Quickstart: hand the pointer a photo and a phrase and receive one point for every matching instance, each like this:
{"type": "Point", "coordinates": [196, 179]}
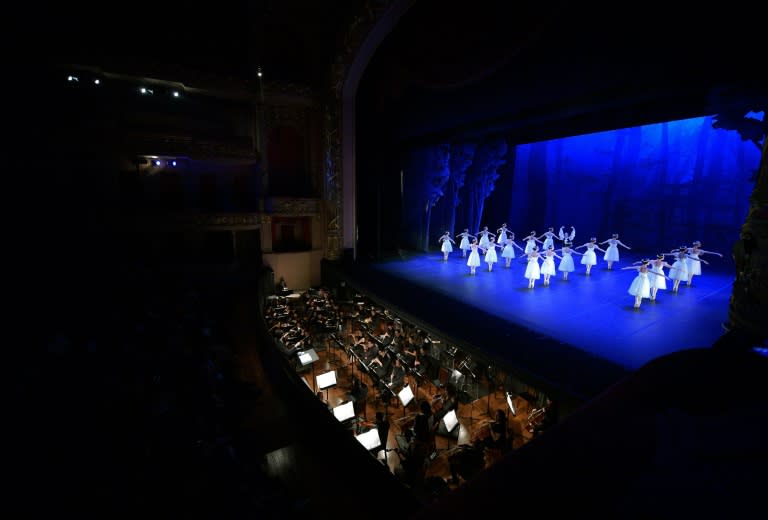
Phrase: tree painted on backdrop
{"type": "Point", "coordinates": [462, 156]}
{"type": "Point", "coordinates": [481, 178]}
{"type": "Point", "coordinates": [427, 173]}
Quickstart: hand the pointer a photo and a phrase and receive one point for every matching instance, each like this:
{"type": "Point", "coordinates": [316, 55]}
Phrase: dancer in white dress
{"type": "Point", "coordinates": [566, 263]}
{"type": "Point", "coordinates": [532, 272]}
{"type": "Point", "coordinates": [445, 244]}
{"type": "Point", "coordinates": [474, 257]}
{"type": "Point", "coordinates": [501, 234]}
{"type": "Point", "coordinates": [464, 244]}
{"type": "Point", "coordinates": [612, 252]}
{"type": "Point", "coordinates": [695, 253]}
{"type": "Point", "coordinates": [509, 249]}
{"type": "Point", "coordinates": [641, 285]}
{"type": "Point", "coordinates": [548, 265]}
{"type": "Point", "coordinates": [490, 253]}
{"type": "Point", "coordinates": [658, 282]}
{"type": "Point", "coordinates": [530, 243]}
{"type": "Point", "coordinates": [679, 270]}
{"type": "Point", "coordinates": [589, 258]}
{"type": "Point", "coordinates": [549, 241]}
{"type": "Point", "coordinates": [484, 234]}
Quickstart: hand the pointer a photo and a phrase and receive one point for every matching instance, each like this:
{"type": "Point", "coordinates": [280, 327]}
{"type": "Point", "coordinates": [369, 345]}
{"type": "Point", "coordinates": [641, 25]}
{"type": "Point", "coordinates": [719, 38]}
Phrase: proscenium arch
{"type": "Point", "coordinates": [380, 30]}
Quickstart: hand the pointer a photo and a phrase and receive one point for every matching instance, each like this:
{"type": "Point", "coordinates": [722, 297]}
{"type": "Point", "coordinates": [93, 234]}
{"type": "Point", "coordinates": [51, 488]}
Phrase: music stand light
{"type": "Point", "coordinates": [450, 420]}
{"type": "Point", "coordinates": [511, 404]}
{"type": "Point", "coordinates": [344, 411]}
{"type": "Point", "coordinates": [370, 439]}
{"type": "Point", "coordinates": [406, 396]}
{"type": "Point", "coordinates": [307, 357]}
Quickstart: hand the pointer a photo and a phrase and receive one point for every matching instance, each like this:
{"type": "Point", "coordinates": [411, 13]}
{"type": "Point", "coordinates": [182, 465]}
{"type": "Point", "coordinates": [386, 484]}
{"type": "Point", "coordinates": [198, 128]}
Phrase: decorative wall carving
{"type": "Point", "coordinates": [358, 29]}
{"type": "Point", "coordinates": [283, 206]}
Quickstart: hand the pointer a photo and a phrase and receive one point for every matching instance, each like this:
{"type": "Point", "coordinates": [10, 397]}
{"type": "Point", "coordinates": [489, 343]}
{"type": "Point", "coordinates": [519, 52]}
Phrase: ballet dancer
{"type": "Point", "coordinates": [589, 258]}
{"type": "Point", "coordinates": [501, 233]}
{"type": "Point", "coordinates": [530, 242]}
{"type": "Point", "coordinates": [446, 246]}
{"type": "Point", "coordinates": [679, 270]}
{"type": "Point", "coordinates": [474, 257]}
{"type": "Point", "coordinates": [509, 249]}
{"type": "Point", "coordinates": [490, 253]}
{"type": "Point", "coordinates": [549, 241]}
{"type": "Point", "coordinates": [532, 272]}
{"type": "Point", "coordinates": [484, 234]}
{"type": "Point", "coordinates": [548, 265]}
{"type": "Point", "coordinates": [464, 245]}
{"type": "Point", "coordinates": [612, 252]}
{"type": "Point", "coordinates": [659, 282]}
{"type": "Point", "coordinates": [566, 262]}
{"type": "Point", "coordinates": [695, 253]}
{"type": "Point", "coordinates": [566, 237]}
{"type": "Point", "coordinates": [641, 285]}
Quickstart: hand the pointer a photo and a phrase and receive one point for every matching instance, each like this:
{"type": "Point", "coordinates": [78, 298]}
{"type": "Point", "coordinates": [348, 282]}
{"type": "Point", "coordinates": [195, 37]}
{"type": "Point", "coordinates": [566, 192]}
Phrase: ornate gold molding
{"type": "Point", "coordinates": [293, 207]}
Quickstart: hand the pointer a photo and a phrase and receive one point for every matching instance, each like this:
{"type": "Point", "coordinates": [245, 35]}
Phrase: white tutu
{"type": "Point", "coordinates": [502, 238]}
{"type": "Point", "coordinates": [490, 256]}
{"type": "Point", "coordinates": [548, 265]}
{"type": "Point", "coordinates": [474, 259]}
{"type": "Point", "coordinates": [509, 251]}
{"type": "Point", "coordinates": [589, 257]}
{"type": "Point", "coordinates": [529, 245]}
{"type": "Point", "coordinates": [640, 286]}
{"type": "Point", "coordinates": [447, 247]}
{"type": "Point", "coordinates": [659, 282]}
{"type": "Point", "coordinates": [464, 243]}
{"type": "Point", "coordinates": [484, 243]}
{"type": "Point", "coordinates": [566, 264]}
{"type": "Point", "coordinates": [612, 253]}
{"type": "Point", "coordinates": [532, 271]}
{"type": "Point", "coordinates": [547, 242]}
{"type": "Point", "coordinates": [694, 267]}
{"type": "Point", "coordinates": [679, 270]}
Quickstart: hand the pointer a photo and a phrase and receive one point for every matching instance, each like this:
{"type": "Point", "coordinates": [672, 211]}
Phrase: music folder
{"type": "Point", "coordinates": [344, 411]}
{"type": "Point", "coordinates": [370, 439]}
{"type": "Point", "coordinates": [326, 380]}
{"type": "Point", "coordinates": [511, 405]}
{"type": "Point", "coordinates": [405, 395]}
{"type": "Point", "coordinates": [450, 420]}
{"type": "Point", "coordinates": [308, 356]}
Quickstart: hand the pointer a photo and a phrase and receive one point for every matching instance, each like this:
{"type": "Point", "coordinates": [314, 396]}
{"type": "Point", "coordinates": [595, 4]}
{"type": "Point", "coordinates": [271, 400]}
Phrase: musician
{"type": "Point", "coordinates": [424, 363]}
{"type": "Point", "coordinates": [450, 401]}
{"type": "Point", "coordinates": [396, 376]}
{"type": "Point", "coordinates": [548, 419]}
{"type": "Point", "coordinates": [382, 425]}
{"type": "Point", "coordinates": [358, 395]}
{"type": "Point", "coordinates": [498, 439]}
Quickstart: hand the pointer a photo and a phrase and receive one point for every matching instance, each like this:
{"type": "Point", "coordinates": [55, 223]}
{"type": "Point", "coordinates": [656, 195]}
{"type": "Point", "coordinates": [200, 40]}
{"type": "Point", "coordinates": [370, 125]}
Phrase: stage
{"type": "Point", "coordinates": [577, 336]}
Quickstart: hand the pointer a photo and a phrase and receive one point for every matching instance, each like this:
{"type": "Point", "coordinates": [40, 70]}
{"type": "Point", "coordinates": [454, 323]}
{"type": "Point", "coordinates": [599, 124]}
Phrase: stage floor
{"type": "Point", "coordinates": [583, 334]}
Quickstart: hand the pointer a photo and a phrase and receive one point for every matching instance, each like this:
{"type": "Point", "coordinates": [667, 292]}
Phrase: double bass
{"type": "Point", "coordinates": [535, 417]}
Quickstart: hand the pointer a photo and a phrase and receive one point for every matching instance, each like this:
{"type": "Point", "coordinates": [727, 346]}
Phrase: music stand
{"type": "Point", "coordinates": [325, 381]}
{"type": "Point", "coordinates": [406, 396]}
{"type": "Point", "coordinates": [344, 411]}
{"type": "Point", "coordinates": [450, 420]}
{"type": "Point", "coordinates": [370, 439]}
{"type": "Point", "coordinates": [308, 357]}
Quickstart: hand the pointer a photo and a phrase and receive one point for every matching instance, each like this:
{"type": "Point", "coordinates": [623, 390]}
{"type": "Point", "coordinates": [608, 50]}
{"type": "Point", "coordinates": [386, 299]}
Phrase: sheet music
{"type": "Point", "coordinates": [370, 439]}
{"type": "Point", "coordinates": [326, 380]}
{"type": "Point", "coordinates": [344, 411]}
{"type": "Point", "coordinates": [450, 420]}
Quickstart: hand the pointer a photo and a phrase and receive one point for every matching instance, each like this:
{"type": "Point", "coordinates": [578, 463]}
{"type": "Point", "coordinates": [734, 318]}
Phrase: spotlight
{"type": "Point", "coordinates": [258, 72]}
{"type": "Point", "coordinates": [146, 91]}
{"type": "Point", "coordinates": [156, 162]}
{"type": "Point", "coordinates": [175, 93]}
{"type": "Point", "coordinates": [97, 81]}
{"type": "Point", "coordinates": [172, 163]}
{"type": "Point", "coordinates": [72, 78]}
